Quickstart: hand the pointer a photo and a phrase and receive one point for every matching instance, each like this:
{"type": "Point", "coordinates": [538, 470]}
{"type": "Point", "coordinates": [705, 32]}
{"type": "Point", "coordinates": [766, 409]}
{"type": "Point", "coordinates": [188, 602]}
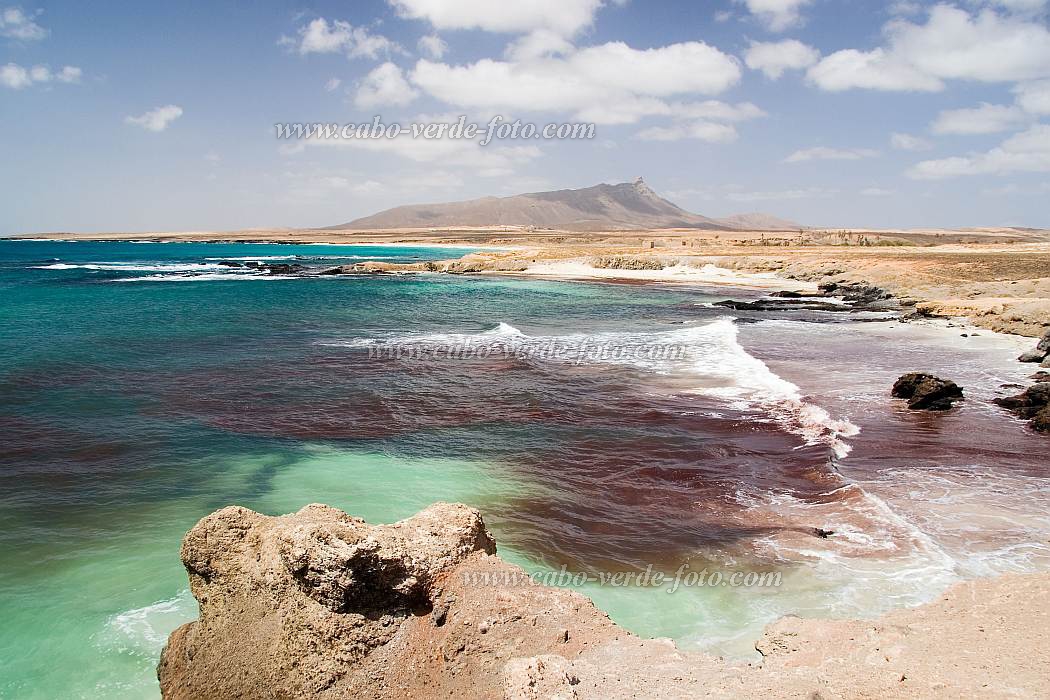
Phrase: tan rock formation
{"type": "Point", "coordinates": [321, 605]}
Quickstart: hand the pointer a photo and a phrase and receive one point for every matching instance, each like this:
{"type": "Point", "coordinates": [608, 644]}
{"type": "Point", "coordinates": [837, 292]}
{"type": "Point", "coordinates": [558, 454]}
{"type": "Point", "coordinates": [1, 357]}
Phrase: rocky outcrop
{"type": "Point", "coordinates": [321, 605]}
{"type": "Point", "coordinates": [1032, 404]}
{"type": "Point", "coordinates": [1041, 351]}
{"type": "Point", "coordinates": [925, 392]}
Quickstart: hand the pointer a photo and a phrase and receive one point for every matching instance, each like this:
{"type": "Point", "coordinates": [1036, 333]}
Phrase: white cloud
{"type": "Point", "coordinates": [907, 142]}
{"type": "Point", "coordinates": [985, 119]}
{"type": "Point", "coordinates": [156, 119]}
{"type": "Point", "coordinates": [564, 17]}
{"type": "Point", "coordinates": [432, 46]}
{"type": "Point", "coordinates": [873, 70]}
{"type": "Point", "coordinates": [877, 192]}
{"type": "Point", "coordinates": [1034, 98]}
{"type": "Point", "coordinates": [777, 15]}
{"type": "Point", "coordinates": [16, 24]}
{"type": "Point", "coordinates": [16, 77]}
{"type": "Point", "coordinates": [773, 58]}
{"type": "Point", "coordinates": [385, 85]}
{"type": "Point", "coordinates": [824, 153]}
{"type": "Point", "coordinates": [700, 129]}
{"type": "Point", "coordinates": [333, 84]}
{"type": "Point", "coordinates": [609, 83]}
{"type": "Point", "coordinates": [320, 36]}
{"type": "Point", "coordinates": [1028, 151]}
{"type": "Point", "coordinates": [953, 44]}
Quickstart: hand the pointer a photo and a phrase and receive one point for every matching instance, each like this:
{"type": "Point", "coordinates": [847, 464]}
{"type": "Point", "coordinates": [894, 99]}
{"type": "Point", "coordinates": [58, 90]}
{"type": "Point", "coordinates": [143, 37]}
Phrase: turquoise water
{"type": "Point", "coordinates": [144, 385]}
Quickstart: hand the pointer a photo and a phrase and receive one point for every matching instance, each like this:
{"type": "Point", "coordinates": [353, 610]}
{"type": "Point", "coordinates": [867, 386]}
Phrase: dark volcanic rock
{"type": "Point", "coordinates": [858, 293]}
{"type": "Point", "coordinates": [926, 392]}
{"type": "Point", "coordinates": [230, 263]}
{"type": "Point", "coordinates": [781, 305]}
{"type": "Point", "coordinates": [1033, 403]}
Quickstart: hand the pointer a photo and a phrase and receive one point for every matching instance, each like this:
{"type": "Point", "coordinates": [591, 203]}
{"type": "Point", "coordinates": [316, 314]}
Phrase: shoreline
{"type": "Point", "coordinates": [991, 276]}
{"type": "Point", "coordinates": [439, 615]}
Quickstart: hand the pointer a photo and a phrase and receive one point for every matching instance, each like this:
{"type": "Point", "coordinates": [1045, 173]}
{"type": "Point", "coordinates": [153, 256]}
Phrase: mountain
{"type": "Point", "coordinates": [626, 206]}
{"type": "Point", "coordinates": [757, 221]}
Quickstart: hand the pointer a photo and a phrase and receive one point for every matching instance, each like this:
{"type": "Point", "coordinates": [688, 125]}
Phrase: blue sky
{"type": "Point", "coordinates": [137, 116]}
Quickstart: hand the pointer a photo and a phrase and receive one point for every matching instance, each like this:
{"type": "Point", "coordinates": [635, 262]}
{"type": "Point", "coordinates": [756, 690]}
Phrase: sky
{"type": "Point", "coordinates": [135, 116]}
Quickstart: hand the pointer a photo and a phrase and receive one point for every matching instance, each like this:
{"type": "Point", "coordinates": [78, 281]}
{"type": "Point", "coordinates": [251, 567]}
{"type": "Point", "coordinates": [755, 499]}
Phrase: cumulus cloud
{"type": "Point", "coordinates": [824, 153]}
{"type": "Point", "coordinates": [984, 119]}
{"type": "Point", "coordinates": [1034, 97]}
{"type": "Point", "coordinates": [16, 24]}
{"type": "Point", "coordinates": [16, 77]}
{"type": "Point", "coordinates": [611, 83]}
{"type": "Point", "coordinates": [953, 44]}
{"type": "Point", "coordinates": [432, 46]}
{"type": "Point", "coordinates": [563, 17]}
{"type": "Point", "coordinates": [777, 15]}
{"type": "Point", "coordinates": [156, 119]}
{"type": "Point", "coordinates": [385, 85]}
{"type": "Point", "coordinates": [773, 58]}
{"type": "Point", "coordinates": [1028, 151]}
{"type": "Point", "coordinates": [322, 36]}
{"type": "Point", "coordinates": [907, 142]}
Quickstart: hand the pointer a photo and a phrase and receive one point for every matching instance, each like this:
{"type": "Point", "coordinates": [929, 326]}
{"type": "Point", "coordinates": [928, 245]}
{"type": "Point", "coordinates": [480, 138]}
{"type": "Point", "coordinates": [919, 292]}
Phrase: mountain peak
{"type": "Point", "coordinates": [624, 206]}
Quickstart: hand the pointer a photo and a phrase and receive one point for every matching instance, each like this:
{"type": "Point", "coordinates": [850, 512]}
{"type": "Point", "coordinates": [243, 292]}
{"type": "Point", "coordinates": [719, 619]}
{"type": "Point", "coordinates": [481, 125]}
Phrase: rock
{"type": "Point", "coordinates": [319, 604]}
{"type": "Point", "coordinates": [229, 263]}
{"type": "Point", "coordinates": [1033, 404]}
{"type": "Point", "coordinates": [1031, 356]}
{"type": "Point", "coordinates": [1041, 352]}
{"type": "Point", "coordinates": [782, 305]}
{"type": "Point", "coordinates": [1041, 376]}
{"type": "Point", "coordinates": [1041, 421]}
{"type": "Point", "coordinates": [1044, 343]}
{"type": "Point", "coordinates": [926, 392]}
{"type": "Point", "coordinates": [856, 292]}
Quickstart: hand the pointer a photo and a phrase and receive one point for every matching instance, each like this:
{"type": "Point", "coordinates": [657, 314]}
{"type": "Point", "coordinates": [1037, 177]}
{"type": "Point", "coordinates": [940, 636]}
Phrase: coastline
{"type": "Point", "coordinates": [426, 608]}
{"type": "Point", "coordinates": [998, 278]}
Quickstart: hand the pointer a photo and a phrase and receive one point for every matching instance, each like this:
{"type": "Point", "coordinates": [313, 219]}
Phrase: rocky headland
{"type": "Point", "coordinates": [319, 604]}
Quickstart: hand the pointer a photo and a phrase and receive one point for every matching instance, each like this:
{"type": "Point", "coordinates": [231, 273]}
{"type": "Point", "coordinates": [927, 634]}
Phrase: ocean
{"type": "Point", "coordinates": [600, 427]}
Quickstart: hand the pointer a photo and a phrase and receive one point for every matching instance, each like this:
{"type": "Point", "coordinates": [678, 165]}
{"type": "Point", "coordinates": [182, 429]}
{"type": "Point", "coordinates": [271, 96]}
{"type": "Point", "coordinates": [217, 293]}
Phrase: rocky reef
{"type": "Point", "coordinates": [319, 604]}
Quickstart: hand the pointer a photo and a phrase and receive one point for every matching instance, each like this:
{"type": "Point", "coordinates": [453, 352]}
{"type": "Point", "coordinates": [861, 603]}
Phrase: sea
{"type": "Point", "coordinates": [601, 428]}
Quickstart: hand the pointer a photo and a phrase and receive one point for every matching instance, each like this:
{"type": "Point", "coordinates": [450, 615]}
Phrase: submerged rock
{"type": "Point", "coordinates": [784, 304]}
{"type": "Point", "coordinates": [926, 392]}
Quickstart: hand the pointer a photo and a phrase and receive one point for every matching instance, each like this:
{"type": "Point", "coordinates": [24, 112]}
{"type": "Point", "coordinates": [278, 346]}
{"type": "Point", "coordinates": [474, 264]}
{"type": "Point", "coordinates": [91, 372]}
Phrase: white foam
{"type": "Point", "coordinates": [709, 352]}
{"type": "Point", "coordinates": [137, 267]}
{"type": "Point", "coordinates": [143, 631]}
{"type": "Point", "coordinates": [207, 277]}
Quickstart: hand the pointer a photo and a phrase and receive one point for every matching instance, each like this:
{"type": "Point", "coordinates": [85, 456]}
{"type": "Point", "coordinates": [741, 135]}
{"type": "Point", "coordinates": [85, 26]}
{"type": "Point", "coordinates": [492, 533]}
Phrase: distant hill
{"type": "Point", "coordinates": [626, 206]}
{"type": "Point", "coordinates": [757, 221]}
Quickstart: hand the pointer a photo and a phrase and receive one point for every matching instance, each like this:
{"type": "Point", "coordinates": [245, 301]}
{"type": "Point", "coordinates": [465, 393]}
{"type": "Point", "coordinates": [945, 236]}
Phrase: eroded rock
{"type": "Point", "coordinates": [925, 392]}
